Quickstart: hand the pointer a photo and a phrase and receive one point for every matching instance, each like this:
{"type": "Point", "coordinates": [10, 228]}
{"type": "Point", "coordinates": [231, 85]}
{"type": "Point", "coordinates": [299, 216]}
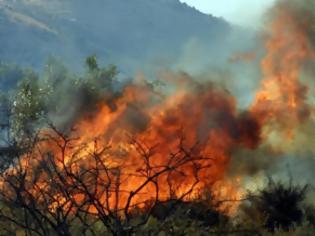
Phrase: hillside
{"type": "Point", "coordinates": [132, 34]}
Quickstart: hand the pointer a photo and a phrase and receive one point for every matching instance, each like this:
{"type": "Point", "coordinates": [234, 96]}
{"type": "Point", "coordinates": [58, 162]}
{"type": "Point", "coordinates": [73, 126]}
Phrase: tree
{"type": "Point", "coordinates": [91, 63]}
{"type": "Point", "coordinates": [37, 98]}
{"type": "Point", "coordinates": [54, 190]}
{"type": "Point", "coordinates": [99, 80]}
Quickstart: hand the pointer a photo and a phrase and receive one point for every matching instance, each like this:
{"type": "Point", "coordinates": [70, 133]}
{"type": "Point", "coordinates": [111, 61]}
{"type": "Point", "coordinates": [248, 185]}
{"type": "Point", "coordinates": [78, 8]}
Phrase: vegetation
{"type": "Point", "coordinates": [39, 190]}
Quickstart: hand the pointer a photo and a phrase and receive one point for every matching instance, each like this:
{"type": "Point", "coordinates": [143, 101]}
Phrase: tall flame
{"type": "Point", "coordinates": [148, 130]}
{"type": "Point", "coordinates": [282, 98]}
{"type": "Point", "coordinates": [199, 120]}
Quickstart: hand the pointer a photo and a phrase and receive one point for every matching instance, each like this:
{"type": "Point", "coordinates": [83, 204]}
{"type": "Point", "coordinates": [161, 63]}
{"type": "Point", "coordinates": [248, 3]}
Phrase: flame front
{"type": "Point", "coordinates": [133, 143]}
{"type": "Point", "coordinates": [146, 138]}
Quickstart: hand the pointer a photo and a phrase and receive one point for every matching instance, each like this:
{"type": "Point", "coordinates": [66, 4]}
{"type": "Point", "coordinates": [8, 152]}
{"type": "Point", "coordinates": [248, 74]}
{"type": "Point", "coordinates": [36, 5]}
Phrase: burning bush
{"type": "Point", "coordinates": [93, 156]}
{"type": "Point", "coordinates": [146, 149]}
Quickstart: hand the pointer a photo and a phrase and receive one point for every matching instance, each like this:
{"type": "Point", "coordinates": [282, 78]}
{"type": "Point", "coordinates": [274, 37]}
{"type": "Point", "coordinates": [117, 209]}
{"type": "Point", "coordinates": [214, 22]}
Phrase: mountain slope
{"type": "Point", "coordinates": [132, 34]}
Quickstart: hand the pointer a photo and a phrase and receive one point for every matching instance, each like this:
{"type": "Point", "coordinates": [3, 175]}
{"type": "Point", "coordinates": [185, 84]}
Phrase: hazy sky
{"type": "Point", "coordinates": [242, 12]}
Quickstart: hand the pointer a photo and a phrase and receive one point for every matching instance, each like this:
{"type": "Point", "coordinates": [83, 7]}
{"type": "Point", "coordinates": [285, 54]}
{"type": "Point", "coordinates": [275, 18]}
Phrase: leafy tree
{"type": "Point", "coordinates": [38, 97]}
{"type": "Point", "coordinates": [28, 107]}
{"type": "Point", "coordinates": [99, 79]}
{"type": "Point", "coordinates": [97, 85]}
{"type": "Point", "coordinates": [91, 63]}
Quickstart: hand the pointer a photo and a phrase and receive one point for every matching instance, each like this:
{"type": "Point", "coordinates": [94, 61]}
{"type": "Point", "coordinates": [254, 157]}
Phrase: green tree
{"type": "Point", "coordinates": [28, 107]}
{"type": "Point", "coordinates": [91, 63]}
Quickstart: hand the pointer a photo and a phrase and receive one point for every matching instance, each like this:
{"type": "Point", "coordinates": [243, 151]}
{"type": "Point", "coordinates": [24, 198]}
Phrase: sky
{"type": "Point", "coordinates": [248, 13]}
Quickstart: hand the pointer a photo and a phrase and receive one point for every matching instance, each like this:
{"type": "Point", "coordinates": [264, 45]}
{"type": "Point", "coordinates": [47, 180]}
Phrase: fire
{"type": "Point", "coordinates": [175, 141]}
{"type": "Point", "coordinates": [175, 145]}
{"type": "Point", "coordinates": [282, 97]}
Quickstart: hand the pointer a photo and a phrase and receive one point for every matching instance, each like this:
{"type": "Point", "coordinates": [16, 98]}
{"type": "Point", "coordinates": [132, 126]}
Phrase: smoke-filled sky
{"type": "Point", "coordinates": [247, 13]}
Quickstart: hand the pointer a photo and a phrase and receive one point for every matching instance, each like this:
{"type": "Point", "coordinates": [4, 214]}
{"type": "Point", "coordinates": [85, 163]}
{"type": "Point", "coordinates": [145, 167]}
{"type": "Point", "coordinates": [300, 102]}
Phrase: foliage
{"type": "Point", "coordinates": [278, 206]}
{"type": "Point", "coordinates": [98, 81]}
{"type": "Point", "coordinates": [38, 98]}
{"type": "Point", "coordinates": [91, 63]}
{"type": "Point", "coordinates": [175, 217]}
{"type": "Point", "coordinates": [28, 106]}
{"type": "Point", "coordinates": [42, 202]}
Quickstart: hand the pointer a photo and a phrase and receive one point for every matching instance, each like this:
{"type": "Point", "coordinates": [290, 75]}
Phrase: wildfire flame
{"type": "Point", "coordinates": [148, 130]}
{"type": "Point", "coordinates": [282, 98]}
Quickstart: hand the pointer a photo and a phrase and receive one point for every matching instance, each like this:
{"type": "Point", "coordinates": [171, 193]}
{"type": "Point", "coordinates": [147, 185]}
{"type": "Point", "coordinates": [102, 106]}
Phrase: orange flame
{"type": "Point", "coordinates": [282, 98]}
{"type": "Point", "coordinates": [148, 130]}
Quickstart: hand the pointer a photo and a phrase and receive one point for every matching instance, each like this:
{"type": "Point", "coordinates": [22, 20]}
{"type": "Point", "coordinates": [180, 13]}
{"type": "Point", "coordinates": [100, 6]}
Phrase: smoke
{"type": "Point", "coordinates": [270, 136]}
{"type": "Point", "coordinates": [265, 137]}
{"type": "Point", "coordinates": [284, 103]}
